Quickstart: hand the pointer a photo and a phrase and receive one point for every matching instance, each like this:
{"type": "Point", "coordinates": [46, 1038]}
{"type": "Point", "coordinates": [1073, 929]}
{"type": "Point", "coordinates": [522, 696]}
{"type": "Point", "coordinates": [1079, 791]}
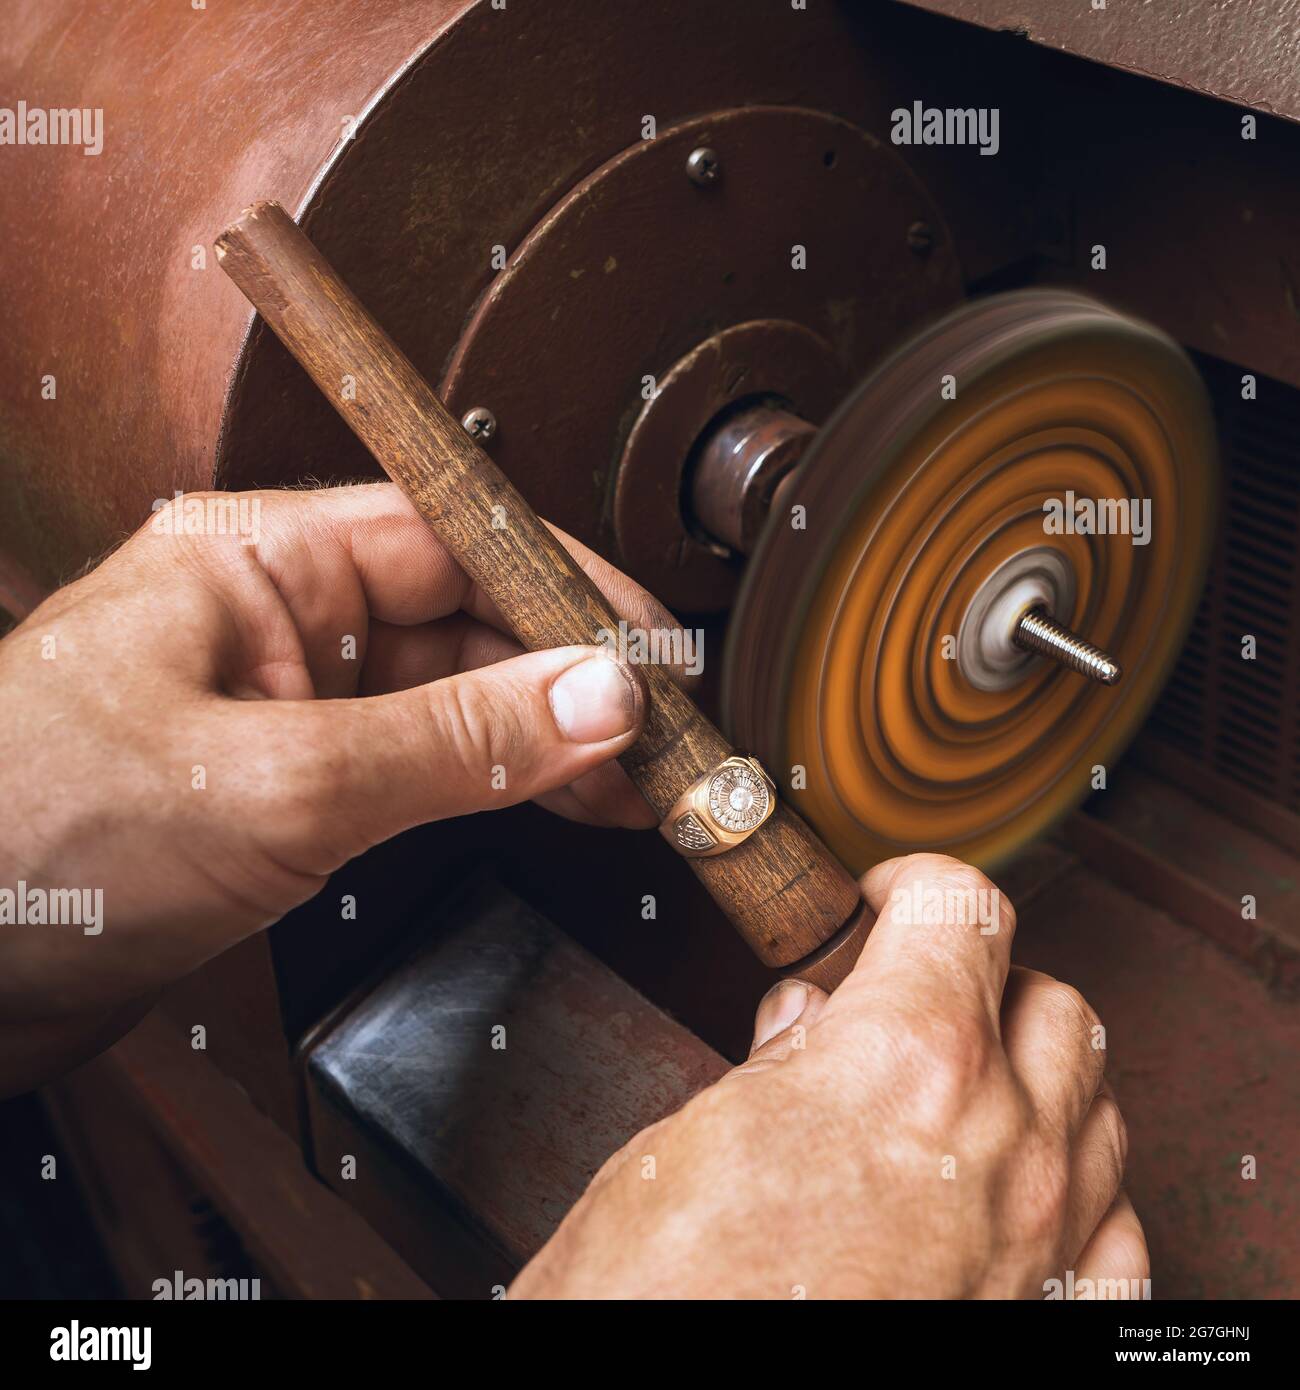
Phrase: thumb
{"type": "Point", "coordinates": [476, 741]}
{"type": "Point", "coordinates": [785, 1013]}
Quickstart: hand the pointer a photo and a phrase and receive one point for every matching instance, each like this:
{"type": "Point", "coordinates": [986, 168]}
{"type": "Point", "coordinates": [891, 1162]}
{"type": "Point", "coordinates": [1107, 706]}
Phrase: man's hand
{"type": "Point", "coordinates": [205, 729]}
{"type": "Point", "coordinates": [936, 1128]}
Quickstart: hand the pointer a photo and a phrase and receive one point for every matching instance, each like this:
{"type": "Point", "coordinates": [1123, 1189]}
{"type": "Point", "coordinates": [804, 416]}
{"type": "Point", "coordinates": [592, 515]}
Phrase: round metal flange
{"type": "Point", "coordinates": [641, 276]}
{"type": "Point", "coordinates": [866, 662]}
{"type": "Point", "coordinates": [768, 359]}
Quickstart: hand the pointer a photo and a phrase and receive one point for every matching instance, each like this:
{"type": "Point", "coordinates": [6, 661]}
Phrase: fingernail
{"type": "Point", "coordinates": [594, 700]}
{"type": "Point", "coordinates": [778, 1009]}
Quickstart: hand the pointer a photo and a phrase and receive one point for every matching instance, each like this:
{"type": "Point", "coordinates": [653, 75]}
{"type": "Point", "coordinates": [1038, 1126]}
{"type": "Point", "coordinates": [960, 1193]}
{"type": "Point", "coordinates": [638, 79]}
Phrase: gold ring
{"type": "Point", "coordinates": [721, 809]}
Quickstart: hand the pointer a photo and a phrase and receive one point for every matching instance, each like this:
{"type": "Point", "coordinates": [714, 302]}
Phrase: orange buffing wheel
{"type": "Point", "coordinates": [870, 661]}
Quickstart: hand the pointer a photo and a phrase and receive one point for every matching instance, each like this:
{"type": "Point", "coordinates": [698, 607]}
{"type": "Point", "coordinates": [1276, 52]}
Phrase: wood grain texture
{"type": "Point", "coordinates": [831, 962]}
{"type": "Point", "coordinates": [782, 888]}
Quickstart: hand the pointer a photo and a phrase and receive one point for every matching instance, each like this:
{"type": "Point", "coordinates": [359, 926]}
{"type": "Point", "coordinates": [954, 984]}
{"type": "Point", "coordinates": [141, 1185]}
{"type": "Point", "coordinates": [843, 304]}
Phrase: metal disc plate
{"type": "Point", "coordinates": [806, 230]}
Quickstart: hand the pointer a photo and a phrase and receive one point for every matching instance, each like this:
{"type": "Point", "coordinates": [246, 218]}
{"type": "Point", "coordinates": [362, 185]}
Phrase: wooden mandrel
{"type": "Point", "coordinates": [782, 888]}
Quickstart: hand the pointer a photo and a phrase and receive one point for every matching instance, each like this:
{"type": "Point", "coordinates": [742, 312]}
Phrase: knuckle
{"type": "Point", "coordinates": [211, 531]}
{"type": "Point", "coordinates": [1043, 1200]}
{"type": "Point", "coordinates": [288, 803]}
{"type": "Point", "coordinates": [1068, 1009]}
{"type": "Point", "coordinates": [1072, 1019]}
{"type": "Point", "coordinates": [952, 1040]}
{"type": "Point", "coordinates": [947, 869]}
{"type": "Point", "coordinates": [1073, 1038]}
{"type": "Point", "coordinates": [478, 731]}
{"type": "Point", "coordinates": [959, 883]}
{"type": "Point", "coordinates": [1115, 1131]}
{"type": "Point", "coordinates": [940, 1061]}
{"type": "Point", "coordinates": [944, 868]}
{"type": "Point", "coordinates": [168, 519]}
{"type": "Point", "coordinates": [305, 795]}
{"type": "Point", "coordinates": [1003, 1126]}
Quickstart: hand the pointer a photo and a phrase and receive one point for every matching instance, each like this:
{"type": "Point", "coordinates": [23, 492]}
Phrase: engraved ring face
{"type": "Point", "coordinates": [738, 799]}
{"type": "Point", "coordinates": [720, 809]}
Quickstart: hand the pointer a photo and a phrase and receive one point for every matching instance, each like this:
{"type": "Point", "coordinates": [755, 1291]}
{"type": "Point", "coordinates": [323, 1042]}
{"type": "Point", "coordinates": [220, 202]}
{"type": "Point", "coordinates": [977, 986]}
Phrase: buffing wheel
{"type": "Point", "coordinates": [869, 661]}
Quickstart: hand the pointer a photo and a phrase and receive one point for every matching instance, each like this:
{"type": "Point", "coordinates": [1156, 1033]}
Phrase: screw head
{"type": "Point", "coordinates": [480, 424]}
{"type": "Point", "coordinates": [703, 166]}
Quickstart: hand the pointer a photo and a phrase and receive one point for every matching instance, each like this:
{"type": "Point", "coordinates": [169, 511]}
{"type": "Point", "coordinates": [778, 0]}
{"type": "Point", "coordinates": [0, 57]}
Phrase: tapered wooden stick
{"type": "Point", "coordinates": [783, 889]}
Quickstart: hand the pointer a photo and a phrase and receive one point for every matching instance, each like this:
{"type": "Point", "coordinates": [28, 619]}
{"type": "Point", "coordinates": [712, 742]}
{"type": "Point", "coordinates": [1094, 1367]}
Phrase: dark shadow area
{"type": "Point", "coordinates": [48, 1247]}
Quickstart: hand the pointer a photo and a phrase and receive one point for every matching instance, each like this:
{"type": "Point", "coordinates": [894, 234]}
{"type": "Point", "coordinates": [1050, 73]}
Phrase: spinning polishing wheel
{"type": "Point", "coordinates": [919, 655]}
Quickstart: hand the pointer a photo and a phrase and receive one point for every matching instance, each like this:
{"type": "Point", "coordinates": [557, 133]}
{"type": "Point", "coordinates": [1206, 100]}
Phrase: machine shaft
{"type": "Point", "coordinates": [1038, 632]}
{"type": "Point", "coordinates": [747, 458]}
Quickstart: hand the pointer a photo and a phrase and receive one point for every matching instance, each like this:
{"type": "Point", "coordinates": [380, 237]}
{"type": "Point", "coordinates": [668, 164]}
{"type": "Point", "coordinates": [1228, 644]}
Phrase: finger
{"type": "Point", "coordinates": [641, 611]}
{"type": "Point", "coordinates": [608, 796]}
{"type": "Point", "coordinates": [942, 927]}
{"type": "Point", "coordinates": [617, 805]}
{"type": "Point", "coordinates": [398, 658]}
{"type": "Point", "coordinates": [337, 554]}
{"type": "Point", "coordinates": [1055, 1044]}
{"type": "Point", "coordinates": [782, 1007]}
{"type": "Point", "coordinates": [352, 772]}
{"type": "Point", "coordinates": [340, 557]}
{"type": "Point", "coordinates": [401, 657]}
{"type": "Point", "coordinates": [367, 539]}
{"type": "Point", "coordinates": [781, 1023]}
{"type": "Point", "coordinates": [294, 584]}
{"type": "Point", "coordinates": [562, 802]}
{"type": "Point", "coordinates": [1115, 1261]}
{"type": "Point", "coordinates": [1096, 1171]}
{"type": "Point", "coordinates": [306, 570]}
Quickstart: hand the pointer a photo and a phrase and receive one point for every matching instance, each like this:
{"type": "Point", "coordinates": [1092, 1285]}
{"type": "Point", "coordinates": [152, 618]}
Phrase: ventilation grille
{"type": "Point", "coordinates": [1238, 716]}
